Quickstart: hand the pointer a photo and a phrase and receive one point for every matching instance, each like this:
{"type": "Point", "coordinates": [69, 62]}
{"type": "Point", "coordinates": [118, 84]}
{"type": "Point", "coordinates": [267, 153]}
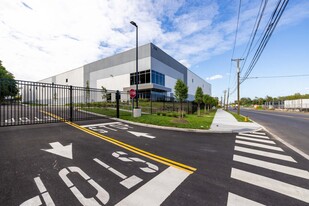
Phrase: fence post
{"type": "Point", "coordinates": [150, 103]}
{"type": "Point", "coordinates": [164, 103]}
{"type": "Point", "coordinates": [188, 107]}
{"type": "Point", "coordinates": [117, 102]}
{"type": "Point", "coordinates": [71, 103]}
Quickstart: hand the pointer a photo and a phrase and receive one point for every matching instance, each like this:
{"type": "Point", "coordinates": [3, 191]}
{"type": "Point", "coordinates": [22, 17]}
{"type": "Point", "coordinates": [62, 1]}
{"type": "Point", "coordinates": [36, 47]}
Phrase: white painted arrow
{"type": "Point", "coordinates": [59, 149]}
{"type": "Point", "coordinates": [141, 134]}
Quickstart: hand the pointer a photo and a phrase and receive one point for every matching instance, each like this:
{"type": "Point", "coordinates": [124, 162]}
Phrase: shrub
{"type": "Point", "coordinates": [163, 114]}
{"type": "Point", "coordinates": [158, 113]}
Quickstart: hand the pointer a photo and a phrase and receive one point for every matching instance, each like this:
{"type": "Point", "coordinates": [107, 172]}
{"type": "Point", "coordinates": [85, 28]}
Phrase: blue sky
{"type": "Point", "coordinates": [43, 38]}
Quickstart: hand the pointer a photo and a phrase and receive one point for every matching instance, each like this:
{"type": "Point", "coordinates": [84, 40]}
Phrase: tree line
{"type": "Point", "coordinates": [260, 100]}
{"type": "Point", "coordinates": [8, 87]}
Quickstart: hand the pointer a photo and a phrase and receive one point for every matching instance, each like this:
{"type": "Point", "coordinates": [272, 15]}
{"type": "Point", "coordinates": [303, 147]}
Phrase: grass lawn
{"type": "Point", "coordinates": [190, 121]}
{"type": "Point", "coordinates": [239, 118]}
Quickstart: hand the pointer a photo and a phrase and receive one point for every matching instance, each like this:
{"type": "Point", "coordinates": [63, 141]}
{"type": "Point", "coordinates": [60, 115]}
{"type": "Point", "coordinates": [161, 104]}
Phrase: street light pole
{"type": "Point", "coordinates": [136, 76]}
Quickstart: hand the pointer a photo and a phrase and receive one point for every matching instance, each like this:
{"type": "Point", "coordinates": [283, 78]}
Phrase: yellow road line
{"type": "Point", "coordinates": [129, 147]}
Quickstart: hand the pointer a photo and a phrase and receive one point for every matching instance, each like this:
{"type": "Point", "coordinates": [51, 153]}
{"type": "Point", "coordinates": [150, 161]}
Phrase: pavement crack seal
{"type": "Point", "coordinates": [133, 149]}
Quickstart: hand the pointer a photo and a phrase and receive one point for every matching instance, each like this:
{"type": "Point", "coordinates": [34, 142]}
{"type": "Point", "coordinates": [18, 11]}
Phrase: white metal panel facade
{"type": "Point", "coordinates": [170, 83]}
{"type": "Point", "coordinates": [195, 81]}
{"type": "Point", "coordinates": [47, 80]}
{"type": "Point", "coordinates": [119, 70]}
{"type": "Point", "coordinates": [114, 82]}
{"type": "Point", "coordinates": [74, 77]}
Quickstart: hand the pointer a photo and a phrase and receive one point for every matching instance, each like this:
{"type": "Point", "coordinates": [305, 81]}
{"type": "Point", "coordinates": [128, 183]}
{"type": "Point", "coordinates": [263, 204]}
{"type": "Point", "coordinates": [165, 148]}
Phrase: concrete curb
{"type": "Point", "coordinates": [173, 128]}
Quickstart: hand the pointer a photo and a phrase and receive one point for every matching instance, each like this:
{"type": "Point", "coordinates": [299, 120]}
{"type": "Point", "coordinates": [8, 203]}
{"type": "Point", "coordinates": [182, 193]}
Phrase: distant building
{"type": "Point", "coordinates": [158, 73]}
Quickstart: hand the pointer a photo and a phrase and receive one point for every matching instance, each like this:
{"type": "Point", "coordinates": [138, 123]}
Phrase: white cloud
{"type": "Point", "coordinates": [185, 62]}
{"type": "Point", "coordinates": [42, 38]}
{"type": "Point", "coordinates": [217, 76]}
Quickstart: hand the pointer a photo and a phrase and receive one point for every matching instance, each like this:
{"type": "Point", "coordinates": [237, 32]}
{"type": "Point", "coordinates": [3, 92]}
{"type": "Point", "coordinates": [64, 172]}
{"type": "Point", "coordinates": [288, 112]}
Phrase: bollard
{"type": "Point", "coordinates": [246, 118]}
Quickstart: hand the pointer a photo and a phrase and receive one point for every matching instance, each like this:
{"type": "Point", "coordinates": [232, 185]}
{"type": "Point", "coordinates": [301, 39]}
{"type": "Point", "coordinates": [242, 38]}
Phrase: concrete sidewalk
{"type": "Point", "coordinates": [225, 122]}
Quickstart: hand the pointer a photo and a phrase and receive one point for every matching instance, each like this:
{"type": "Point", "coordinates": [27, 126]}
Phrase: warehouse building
{"type": "Point", "coordinates": [158, 73]}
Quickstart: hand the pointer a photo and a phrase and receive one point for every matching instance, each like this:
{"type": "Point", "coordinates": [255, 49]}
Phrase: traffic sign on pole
{"type": "Point", "coordinates": [132, 93]}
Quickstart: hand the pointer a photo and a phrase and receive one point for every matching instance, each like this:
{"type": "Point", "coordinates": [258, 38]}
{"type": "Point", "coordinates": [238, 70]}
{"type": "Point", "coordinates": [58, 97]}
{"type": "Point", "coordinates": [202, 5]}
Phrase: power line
{"type": "Point", "coordinates": [283, 76]}
{"type": "Point", "coordinates": [236, 32]}
{"type": "Point", "coordinates": [268, 33]}
{"type": "Point", "coordinates": [254, 31]}
{"type": "Point", "coordinates": [269, 77]}
{"type": "Point", "coordinates": [235, 40]}
{"type": "Point", "coordinates": [250, 42]}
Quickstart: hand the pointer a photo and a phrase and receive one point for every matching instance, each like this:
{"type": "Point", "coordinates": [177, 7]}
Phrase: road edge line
{"type": "Point", "coordinates": [298, 151]}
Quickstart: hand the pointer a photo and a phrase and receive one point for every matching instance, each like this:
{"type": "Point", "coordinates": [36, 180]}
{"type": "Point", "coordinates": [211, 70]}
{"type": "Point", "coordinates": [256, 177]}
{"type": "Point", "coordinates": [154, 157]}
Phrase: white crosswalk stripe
{"type": "Point", "coordinates": [265, 154]}
{"type": "Point", "coordinates": [257, 144]}
{"type": "Point", "coordinates": [271, 184]}
{"type": "Point", "coordinates": [254, 135]}
{"type": "Point", "coordinates": [236, 200]}
{"type": "Point", "coordinates": [255, 139]}
{"type": "Point", "coordinates": [259, 133]}
{"type": "Point", "coordinates": [272, 166]}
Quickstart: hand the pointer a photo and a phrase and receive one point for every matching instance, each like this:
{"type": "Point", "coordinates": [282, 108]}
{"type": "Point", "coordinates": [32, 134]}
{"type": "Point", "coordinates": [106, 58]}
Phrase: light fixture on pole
{"type": "Point", "coordinates": [136, 76]}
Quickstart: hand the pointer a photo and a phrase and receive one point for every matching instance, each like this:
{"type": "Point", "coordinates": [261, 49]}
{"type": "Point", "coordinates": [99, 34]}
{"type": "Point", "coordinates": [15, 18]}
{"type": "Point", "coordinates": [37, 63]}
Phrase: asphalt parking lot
{"type": "Point", "coordinates": [106, 162]}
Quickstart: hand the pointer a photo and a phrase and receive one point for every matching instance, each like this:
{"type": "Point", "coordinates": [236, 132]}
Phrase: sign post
{"type": "Point", "coordinates": [136, 112]}
{"type": "Point", "coordinates": [132, 93]}
{"type": "Point", "coordinates": [132, 96]}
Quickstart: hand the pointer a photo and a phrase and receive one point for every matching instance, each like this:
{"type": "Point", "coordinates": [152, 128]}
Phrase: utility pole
{"type": "Point", "coordinates": [238, 84]}
{"type": "Point", "coordinates": [224, 98]}
{"type": "Point", "coordinates": [227, 99]}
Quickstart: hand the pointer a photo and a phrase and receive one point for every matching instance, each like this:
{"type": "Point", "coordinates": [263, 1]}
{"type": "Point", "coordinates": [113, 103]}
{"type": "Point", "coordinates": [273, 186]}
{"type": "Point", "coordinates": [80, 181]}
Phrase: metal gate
{"type": "Point", "coordinates": [24, 102]}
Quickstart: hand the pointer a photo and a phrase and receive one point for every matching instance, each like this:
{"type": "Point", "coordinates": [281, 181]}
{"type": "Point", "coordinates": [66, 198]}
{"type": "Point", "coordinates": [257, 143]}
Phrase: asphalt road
{"type": "Point", "coordinates": [291, 127]}
{"type": "Point", "coordinates": [104, 162]}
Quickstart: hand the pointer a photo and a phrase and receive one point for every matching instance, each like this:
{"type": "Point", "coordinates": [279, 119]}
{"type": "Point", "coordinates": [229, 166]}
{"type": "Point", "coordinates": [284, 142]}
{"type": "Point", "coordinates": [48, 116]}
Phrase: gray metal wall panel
{"type": "Point", "coordinates": [122, 58]}
{"type": "Point", "coordinates": [163, 57]}
{"type": "Point", "coordinates": [166, 69]}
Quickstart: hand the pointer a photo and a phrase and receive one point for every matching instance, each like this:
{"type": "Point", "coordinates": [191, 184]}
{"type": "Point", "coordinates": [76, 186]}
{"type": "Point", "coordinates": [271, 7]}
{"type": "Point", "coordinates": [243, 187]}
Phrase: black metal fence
{"type": "Point", "coordinates": [25, 102]}
{"type": "Point", "coordinates": [158, 103]}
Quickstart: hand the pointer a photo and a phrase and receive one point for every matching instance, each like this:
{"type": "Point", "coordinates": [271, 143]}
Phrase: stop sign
{"type": "Point", "coordinates": [132, 93]}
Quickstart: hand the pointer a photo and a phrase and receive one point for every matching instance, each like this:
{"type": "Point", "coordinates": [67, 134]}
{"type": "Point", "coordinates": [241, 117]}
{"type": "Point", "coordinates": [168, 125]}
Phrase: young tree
{"type": "Point", "coordinates": [199, 99]}
{"type": "Point", "coordinates": [214, 102]}
{"type": "Point", "coordinates": [181, 93]}
{"type": "Point", "coordinates": [8, 86]}
{"type": "Point", "coordinates": [207, 101]}
{"type": "Point", "coordinates": [104, 92]}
